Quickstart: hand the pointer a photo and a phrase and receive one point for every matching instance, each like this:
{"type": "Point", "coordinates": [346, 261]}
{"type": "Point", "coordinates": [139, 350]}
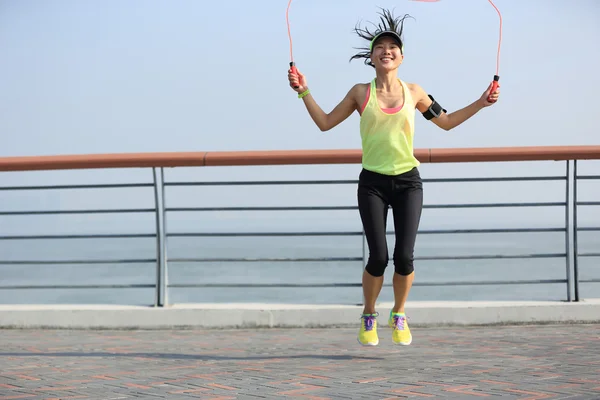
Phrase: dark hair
{"type": "Point", "coordinates": [388, 23]}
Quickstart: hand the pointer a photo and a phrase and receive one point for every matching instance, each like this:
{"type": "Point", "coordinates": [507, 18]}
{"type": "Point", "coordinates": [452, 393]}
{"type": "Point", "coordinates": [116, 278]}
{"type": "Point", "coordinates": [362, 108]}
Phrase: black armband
{"type": "Point", "coordinates": [434, 110]}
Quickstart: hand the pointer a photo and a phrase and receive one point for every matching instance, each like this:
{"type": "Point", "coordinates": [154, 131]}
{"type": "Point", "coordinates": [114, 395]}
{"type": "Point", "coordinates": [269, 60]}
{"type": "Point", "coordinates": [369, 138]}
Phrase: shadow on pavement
{"type": "Point", "coordinates": [203, 357]}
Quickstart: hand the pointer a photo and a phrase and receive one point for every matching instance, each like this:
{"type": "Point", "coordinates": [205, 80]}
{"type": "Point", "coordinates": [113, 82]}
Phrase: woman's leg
{"type": "Point", "coordinates": [373, 206]}
{"type": "Point", "coordinates": [407, 206]}
{"type": "Point", "coordinates": [373, 213]}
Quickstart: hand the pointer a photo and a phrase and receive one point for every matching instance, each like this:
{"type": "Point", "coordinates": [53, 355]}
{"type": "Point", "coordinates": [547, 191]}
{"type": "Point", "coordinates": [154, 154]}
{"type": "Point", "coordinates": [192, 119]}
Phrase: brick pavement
{"type": "Point", "coordinates": [520, 362]}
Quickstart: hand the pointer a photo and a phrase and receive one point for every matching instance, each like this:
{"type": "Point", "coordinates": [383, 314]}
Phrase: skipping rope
{"type": "Point", "coordinates": [496, 76]}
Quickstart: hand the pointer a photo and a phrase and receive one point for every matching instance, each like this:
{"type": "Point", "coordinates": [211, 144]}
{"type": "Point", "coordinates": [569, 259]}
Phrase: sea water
{"type": "Point", "coordinates": [289, 272]}
{"type": "Point", "coordinates": [526, 245]}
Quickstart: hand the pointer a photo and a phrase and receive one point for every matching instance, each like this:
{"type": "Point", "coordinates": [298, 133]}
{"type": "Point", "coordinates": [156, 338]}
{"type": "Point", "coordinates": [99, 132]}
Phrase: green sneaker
{"type": "Point", "coordinates": [401, 333]}
{"type": "Point", "coordinates": [367, 336]}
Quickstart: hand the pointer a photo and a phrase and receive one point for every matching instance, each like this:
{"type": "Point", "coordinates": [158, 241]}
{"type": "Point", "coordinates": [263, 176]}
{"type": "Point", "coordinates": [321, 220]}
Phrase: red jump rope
{"type": "Point", "coordinates": [496, 76]}
{"type": "Point", "coordinates": [292, 64]}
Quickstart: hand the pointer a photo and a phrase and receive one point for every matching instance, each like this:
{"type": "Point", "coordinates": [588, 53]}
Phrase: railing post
{"type": "Point", "coordinates": [158, 299]}
{"type": "Point", "coordinates": [567, 226]}
{"type": "Point", "coordinates": [575, 232]}
{"type": "Point", "coordinates": [164, 239]}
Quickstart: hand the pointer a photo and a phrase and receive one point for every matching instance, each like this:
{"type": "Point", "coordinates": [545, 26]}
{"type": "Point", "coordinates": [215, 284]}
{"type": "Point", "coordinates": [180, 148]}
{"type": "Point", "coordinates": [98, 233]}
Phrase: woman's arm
{"type": "Point", "coordinates": [322, 119]}
{"type": "Point", "coordinates": [454, 119]}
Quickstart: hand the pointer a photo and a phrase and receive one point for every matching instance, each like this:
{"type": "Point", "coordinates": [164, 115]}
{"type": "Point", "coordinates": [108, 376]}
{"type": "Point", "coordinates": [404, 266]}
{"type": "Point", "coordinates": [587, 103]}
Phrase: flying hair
{"type": "Point", "coordinates": [388, 23]}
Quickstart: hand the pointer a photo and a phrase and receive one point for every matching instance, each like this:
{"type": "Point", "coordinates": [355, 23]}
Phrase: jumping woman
{"type": "Point", "coordinates": [389, 175]}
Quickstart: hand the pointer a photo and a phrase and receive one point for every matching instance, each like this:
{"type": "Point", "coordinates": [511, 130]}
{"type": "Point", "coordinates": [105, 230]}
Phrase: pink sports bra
{"type": "Point", "coordinates": [385, 110]}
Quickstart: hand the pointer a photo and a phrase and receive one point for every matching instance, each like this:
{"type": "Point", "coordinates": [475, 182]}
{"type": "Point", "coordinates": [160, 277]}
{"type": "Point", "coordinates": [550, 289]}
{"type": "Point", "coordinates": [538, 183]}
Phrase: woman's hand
{"type": "Point", "coordinates": [297, 80]}
{"type": "Point", "coordinates": [487, 98]}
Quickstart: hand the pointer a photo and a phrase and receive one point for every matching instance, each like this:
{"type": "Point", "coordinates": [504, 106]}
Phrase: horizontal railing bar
{"type": "Point", "coordinates": [56, 212]}
{"type": "Point", "coordinates": [263, 183]}
{"type": "Point", "coordinates": [497, 205]}
{"type": "Point", "coordinates": [291, 208]}
{"type": "Point", "coordinates": [271, 259]}
{"type": "Point", "coordinates": [491, 230]}
{"type": "Point", "coordinates": [355, 181]}
{"type": "Point", "coordinates": [330, 259]}
{"type": "Point", "coordinates": [588, 254]}
{"type": "Point", "coordinates": [290, 157]}
{"type": "Point", "coordinates": [588, 203]}
{"type": "Point", "coordinates": [260, 234]}
{"type": "Point", "coordinates": [260, 285]}
{"type": "Point", "coordinates": [496, 179]}
{"type": "Point", "coordinates": [588, 229]}
{"type": "Point", "coordinates": [589, 280]}
{"type": "Point", "coordinates": [357, 233]}
{"type": "Point", "coordinates": [68, 262]}
{"type": "Point", "coordinates": [492, 257]}
{"type": "Point", "coordinates": [347, 285]}
{"type": "Point", "coordinates": [345, 208]}
{"type": "Point", "coordinates": [477, 283]}
{"type": "Point", "coordinates": [276, 234]}
{"type": "Point", "coordinates": [97, 236]}
{"type": "Point", "coordinates": [591, 177]}
{"type": "Point", "coordinates": [60, 187]}
{"type": "Point", "coordinates": [133, 286]}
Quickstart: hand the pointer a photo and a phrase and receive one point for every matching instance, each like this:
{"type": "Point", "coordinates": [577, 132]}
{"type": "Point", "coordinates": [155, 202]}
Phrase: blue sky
{"type": "Point", "coordinates": [83, 77]}
{"type": "Point", "coordinates": [128, 76]}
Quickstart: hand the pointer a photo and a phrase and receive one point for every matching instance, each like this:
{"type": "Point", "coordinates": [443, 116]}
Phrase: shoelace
{"type": "Point", "coordinates": [399, 321]}
{"type": "Point", "coordinates": [369, 320]}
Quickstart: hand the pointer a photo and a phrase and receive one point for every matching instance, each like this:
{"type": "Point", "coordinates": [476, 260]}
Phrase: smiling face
{"type": "Point", "coordinates": [386, 54]}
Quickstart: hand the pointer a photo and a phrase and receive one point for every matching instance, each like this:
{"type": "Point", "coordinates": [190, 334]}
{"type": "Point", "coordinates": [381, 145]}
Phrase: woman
{"type": "Point", "coordinates": [389, 175]}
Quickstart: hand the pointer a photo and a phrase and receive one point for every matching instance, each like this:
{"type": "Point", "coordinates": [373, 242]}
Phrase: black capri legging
{"type": "Point", "coordinates": [404, 193]}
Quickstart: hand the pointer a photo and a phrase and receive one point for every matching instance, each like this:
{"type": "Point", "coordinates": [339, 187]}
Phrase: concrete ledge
{"type": "Point", "coordinates": [216, 316]}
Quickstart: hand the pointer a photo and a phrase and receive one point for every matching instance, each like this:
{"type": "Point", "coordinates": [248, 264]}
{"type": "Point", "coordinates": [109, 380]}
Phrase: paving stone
{"type": "Point", "coordinates": [506, 362]}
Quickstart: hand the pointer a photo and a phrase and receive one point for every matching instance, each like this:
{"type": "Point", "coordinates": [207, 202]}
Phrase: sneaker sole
{"type": "Point", "coordinates": [367, 344]}
{"type": "Point", "coordinates": [403, 343]}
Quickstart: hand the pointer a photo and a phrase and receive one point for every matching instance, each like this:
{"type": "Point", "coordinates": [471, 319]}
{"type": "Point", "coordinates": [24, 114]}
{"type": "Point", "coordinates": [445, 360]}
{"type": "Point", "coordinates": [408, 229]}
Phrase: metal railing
{"type": "Point", "coordinates": [161, 212]}
{"type": "Point", "coordinates": [577, 229]}
{"type": "Point", "coordinates": [67, 261]}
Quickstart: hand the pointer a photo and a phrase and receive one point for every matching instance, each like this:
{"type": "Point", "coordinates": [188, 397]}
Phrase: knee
{"type": "Point", "coordinates": [376, 266]}
{"type": "Point", "coordinates": [403, 264]}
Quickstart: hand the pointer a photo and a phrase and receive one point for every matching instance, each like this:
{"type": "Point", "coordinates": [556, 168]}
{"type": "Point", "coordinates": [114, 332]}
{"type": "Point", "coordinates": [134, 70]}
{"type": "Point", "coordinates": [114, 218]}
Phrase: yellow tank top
{"type": "Point", "coordinates": [387, 136]}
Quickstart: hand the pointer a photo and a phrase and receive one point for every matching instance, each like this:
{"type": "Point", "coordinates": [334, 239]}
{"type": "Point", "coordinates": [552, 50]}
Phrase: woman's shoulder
{"type": "Point", "coordinates": [360, 89]}
{"type": "Point", "coordinates": [361, 86]}
{"type": "Point", "coordinates": [416, 90]}
{"type": "Point", "coordinates": [413, 86]}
